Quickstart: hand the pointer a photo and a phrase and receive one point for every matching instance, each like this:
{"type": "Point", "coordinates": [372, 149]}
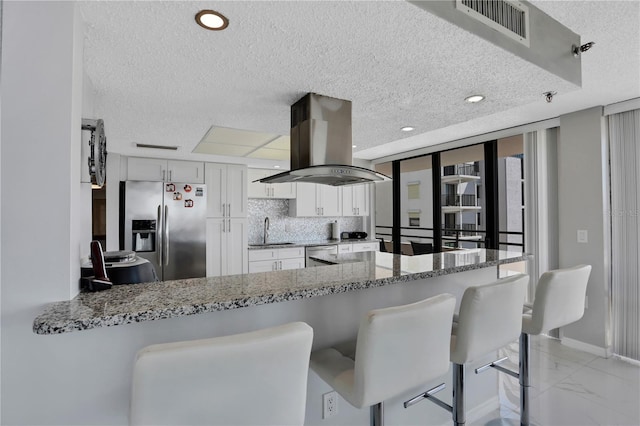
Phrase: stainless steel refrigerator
{"type": "Point", "coordinates": [165, 222]}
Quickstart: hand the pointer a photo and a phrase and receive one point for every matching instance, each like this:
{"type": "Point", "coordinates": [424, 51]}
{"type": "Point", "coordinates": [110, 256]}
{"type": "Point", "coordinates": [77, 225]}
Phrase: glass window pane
{"type": "Point", "coordinates": [384, 207]}
{"type": "Point", "coordinates": [511, 193]}
{"type": "Point", "coordinates": [462, 197]}
{"type": "Point", "coordinates": [416, 205]}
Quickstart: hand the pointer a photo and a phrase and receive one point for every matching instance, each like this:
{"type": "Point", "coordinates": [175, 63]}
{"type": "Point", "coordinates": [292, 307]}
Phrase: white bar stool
{"type": "Point", "coordinates": [209, 381]}
{"type": "Point", "coordinates": [397, 349]}
{"type": "Point", "coordinates": [559, 301]}
{"type": "Point", "coordinates": [490, 317]}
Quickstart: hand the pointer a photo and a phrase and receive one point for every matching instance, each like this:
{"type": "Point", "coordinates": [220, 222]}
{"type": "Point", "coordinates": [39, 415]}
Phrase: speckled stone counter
{"type": "Point", "coordinates": [127, 304]}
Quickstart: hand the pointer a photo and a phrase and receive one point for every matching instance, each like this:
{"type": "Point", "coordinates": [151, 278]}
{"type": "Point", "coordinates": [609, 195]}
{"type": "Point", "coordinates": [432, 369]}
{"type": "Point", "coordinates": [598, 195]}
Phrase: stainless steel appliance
{"type": "Point", "coordinates": [321, 149]}
{"type": "Point", "coordinates": [165, 223]}
{"type": "Point", "coordinates": [312, 251]}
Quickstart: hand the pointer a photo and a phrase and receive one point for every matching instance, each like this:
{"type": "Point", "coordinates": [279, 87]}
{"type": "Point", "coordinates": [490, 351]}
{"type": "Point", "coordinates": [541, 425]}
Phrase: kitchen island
{"type": "Point", "coordinates": [103, 331]}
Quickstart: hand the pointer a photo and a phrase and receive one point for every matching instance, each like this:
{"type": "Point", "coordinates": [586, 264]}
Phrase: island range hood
{"type": "Point", "coordinates": [321, 145]}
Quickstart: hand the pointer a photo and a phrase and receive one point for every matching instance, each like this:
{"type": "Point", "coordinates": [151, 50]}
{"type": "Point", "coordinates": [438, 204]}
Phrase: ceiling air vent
{"type": "Point", "coordinates": [146, 145]}
{"type": "Point", "coordinates": [508, 17]}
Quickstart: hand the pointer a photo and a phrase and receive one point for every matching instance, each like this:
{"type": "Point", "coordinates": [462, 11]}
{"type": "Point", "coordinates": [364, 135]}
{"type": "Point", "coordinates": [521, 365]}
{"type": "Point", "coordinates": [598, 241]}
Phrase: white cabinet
{"type": "Point", "coordinates": [268, 190]}
{"type": "Point", "coordinates": [355, 200]}
{"type": "Point", "coordinates": [368, 246]}
{"type": "Point", "coordinates": [316, 200]}
{"type": "Point", "coordinates": [266, 260]}
{"type": "Point", "coordinates": [226, 246]}
{"type": "Point", "coordinates": [357, 247]}
{"type": "Point", "coordinates": [227, 187]}
{"type": "Point", "coordinates": [158, 170]}
{"type": "Point", "coordinates": [345, 248]}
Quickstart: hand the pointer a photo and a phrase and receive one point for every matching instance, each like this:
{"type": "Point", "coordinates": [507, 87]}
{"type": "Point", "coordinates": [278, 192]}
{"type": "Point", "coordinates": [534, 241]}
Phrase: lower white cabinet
{"type": "Point", "coordinates": [226, 246]}
{"type": "Point", "coordinates": [358, 247]}
{"type": "Point", "coordinates": [365, 246]}
{"type": "Point", "coordinates": [267, 260]}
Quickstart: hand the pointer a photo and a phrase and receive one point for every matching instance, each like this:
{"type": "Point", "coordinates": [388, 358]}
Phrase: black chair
{"type": "Point", "coordinates": [382, 246]}
{"type": "Point", "coordinates": [421, 248]}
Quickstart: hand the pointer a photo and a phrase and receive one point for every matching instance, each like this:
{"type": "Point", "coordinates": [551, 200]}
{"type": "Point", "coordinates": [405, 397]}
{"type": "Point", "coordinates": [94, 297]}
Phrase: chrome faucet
{"type": "Point", "coordinates": [266, 230]}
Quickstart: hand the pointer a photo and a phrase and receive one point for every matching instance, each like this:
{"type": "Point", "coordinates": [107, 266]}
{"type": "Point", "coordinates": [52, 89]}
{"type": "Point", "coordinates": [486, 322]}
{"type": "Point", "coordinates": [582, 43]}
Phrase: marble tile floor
{"type": "Point", "coordinates": [570, 388]}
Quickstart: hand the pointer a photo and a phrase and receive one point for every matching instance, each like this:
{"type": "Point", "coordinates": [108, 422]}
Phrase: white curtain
{"type": "Point", "coordinates": [624, 145]}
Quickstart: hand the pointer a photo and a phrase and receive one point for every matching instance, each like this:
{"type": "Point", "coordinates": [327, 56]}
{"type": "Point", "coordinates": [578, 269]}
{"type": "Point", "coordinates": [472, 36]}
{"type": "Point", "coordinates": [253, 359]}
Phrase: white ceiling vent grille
{"type": "Point", "coordinates": [508, 17]}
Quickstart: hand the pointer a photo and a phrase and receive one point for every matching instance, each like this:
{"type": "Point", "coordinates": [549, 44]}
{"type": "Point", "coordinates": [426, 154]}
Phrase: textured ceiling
{"type": "Point", "coordinates": [161, 79]}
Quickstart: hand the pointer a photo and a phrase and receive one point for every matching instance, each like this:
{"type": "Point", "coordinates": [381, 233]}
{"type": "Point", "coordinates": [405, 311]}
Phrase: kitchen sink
{"type": "Point", "coordinates": [269, 244]}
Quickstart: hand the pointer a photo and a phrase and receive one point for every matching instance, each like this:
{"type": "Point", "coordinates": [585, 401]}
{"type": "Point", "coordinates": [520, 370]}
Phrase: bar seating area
{"type": "Point", "coordinates": [396, 349]}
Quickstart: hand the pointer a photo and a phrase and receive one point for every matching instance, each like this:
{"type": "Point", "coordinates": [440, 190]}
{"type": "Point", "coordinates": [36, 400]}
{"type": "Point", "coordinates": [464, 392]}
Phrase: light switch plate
{"type": "Point", "coordinates": [583, 236]}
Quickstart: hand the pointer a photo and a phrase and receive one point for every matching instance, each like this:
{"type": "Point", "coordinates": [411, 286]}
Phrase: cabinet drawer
{"type": "Point", "coordinates": [262, 255]}
{"type": "Point", "coordinates": [295, 263]}
{"type": "Point", "coordinates": [344, 248]}
{"type": "Point", "coordinates": [290, 253]}
{"type": "Point", "coordinates": [262, 266]}
{"type": "Point", "coordinates": [357, 247]}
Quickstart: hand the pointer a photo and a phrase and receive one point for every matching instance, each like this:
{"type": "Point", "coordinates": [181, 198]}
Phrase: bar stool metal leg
{"type": "Point", "coordinates": [524, 379]}
{"type": "Point", "coordinates": [377, 414]}
{"type": "Point", "coordinates": [458, 395]}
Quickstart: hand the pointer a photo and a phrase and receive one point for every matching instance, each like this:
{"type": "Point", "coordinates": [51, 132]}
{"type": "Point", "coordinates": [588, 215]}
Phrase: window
{"type": "Point", "coordinates": [413, 190]}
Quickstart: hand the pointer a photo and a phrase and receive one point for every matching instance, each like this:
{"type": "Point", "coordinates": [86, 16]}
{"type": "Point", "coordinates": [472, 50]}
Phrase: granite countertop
{"type": "Point", "coordinates": [125, 304]}
{"type": "Point", "coordinates": [307, 243]}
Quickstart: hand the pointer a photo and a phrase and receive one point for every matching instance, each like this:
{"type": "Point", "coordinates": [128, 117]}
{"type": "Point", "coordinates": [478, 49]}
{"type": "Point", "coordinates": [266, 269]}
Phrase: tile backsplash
{"type": "Point", "coordinates": [283, 227]}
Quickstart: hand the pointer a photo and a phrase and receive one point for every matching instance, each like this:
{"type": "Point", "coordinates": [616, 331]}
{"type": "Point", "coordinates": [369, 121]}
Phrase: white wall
{"type": "Point", "coordinates": [582, 204]}
{"type": "Point", "coordinates": [42, 232]}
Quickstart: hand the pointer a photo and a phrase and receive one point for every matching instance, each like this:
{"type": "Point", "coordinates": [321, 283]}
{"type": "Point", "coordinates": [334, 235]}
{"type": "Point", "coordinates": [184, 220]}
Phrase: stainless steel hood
{"type": "Point", "coordinates": [321, 144]}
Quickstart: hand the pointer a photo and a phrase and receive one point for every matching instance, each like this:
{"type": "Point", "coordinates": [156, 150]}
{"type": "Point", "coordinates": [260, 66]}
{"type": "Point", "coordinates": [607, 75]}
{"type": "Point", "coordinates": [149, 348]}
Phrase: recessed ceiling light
{"type": "Point", "coordinates": [474, 99]}
{"type": "Point", "coordinates": [212, 20]}
{"type": "Point", "coordinates": [408, 129]}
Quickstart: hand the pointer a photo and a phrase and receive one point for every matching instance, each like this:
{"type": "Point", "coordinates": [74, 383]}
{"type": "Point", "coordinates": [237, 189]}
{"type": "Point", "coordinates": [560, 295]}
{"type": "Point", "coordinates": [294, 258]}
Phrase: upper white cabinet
{"type": "Point", "coordinates": [156, 169]}
{"type": "Point", "coordinates": [227, 186]}
{"type": "Point", "coordinates": [269, 190]}
{"type": "Point", "coordinates": [355, 200]}
{"type": "Point", "coordinates": [316, 200]}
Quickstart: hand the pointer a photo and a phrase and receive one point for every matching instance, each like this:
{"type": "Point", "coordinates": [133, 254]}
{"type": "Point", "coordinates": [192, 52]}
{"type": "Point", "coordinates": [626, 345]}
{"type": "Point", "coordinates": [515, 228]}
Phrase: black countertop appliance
{"type": "Point", "coordinates": [355, 235]}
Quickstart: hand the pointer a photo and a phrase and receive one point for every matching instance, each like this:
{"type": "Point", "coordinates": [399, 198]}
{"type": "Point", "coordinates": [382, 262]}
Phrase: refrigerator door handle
{"type": "Point", "coordinates": [166, 235]}
{"type": "Point", "coordinates": [159, 235]}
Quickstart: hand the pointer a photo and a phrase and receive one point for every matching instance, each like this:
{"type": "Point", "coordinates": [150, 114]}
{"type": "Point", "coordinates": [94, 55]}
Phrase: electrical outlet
{"type": "Point", "coordinates": [329, 404]}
